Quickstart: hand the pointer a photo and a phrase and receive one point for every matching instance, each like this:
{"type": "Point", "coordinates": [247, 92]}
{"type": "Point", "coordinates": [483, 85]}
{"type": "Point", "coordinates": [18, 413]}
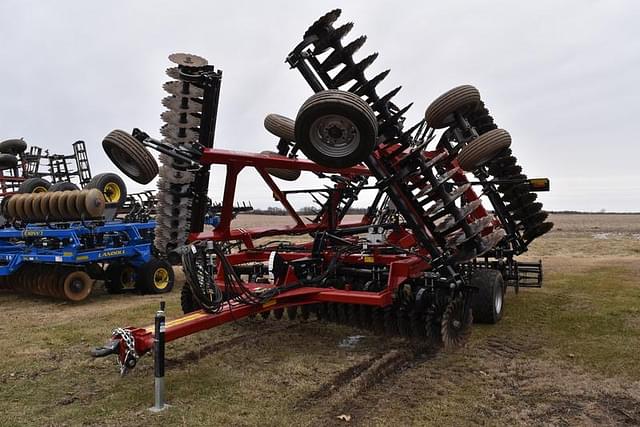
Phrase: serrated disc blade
{"type": "Point", "coordinates": [188, 60]}
{"type": "Point", "coordinates": [180, 89]}
{"type": "Point", "coordinates": [175, 103]}
{"type": "Point", "coordinates": [183, 120]}
{"type": "Point", "coordinates": [177, 133]}
{"type": "Point", "coordinates": [173, 72]}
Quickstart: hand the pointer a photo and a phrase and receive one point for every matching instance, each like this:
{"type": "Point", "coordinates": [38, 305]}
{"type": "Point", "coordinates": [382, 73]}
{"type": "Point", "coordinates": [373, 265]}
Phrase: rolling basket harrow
{"type": "Point", "coordinates": [425, 261]}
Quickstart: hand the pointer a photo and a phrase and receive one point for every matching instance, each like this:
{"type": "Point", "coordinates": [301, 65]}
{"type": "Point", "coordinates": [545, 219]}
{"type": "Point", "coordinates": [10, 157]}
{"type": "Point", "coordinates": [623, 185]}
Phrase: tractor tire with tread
{"type": "Point", "coordinates": [8, 161]}
{"type": "Point", "coordinates": [118, 277]}
{"type": "Point", "coordinates": [34, 185]}
{"type": "Point", "coordinates": [284, 174]}
{"type": "Point", "coordinates": [462, 99]}
{"type": "Point", "coordinates": [64, 186]}
{"type": "Point", "coordinates": [488, 303]}
{"type": "Point", "coordinates": [349, 122]}
{"type": "Point", "coordinates": [155, 277]}
{"type": "Point", "coordinates": [280, 126]}
{"type": "Point", "coordinates": [111, 186]}
{"type": "Point", "coordinates": [130, 156]}
{"type": "Point", "coordinates": [483, 149]}
{"type": "Point", "coordinates": [13, 146]}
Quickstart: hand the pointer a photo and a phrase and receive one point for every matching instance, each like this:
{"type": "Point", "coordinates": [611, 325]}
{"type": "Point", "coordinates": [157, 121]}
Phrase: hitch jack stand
{"type": "Point", "coordinates": [158, 361]}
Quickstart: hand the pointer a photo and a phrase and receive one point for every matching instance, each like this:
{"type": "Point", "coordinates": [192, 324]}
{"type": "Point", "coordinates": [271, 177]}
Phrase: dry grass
{"type": "Point", "coordinates": [591, 236]}
{"type": "Point", "coordinates": [563, 354]}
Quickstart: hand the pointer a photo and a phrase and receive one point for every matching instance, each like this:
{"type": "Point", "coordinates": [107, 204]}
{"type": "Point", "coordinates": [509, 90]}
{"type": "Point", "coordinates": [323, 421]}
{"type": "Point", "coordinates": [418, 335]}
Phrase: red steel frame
{"type": "Point", "coordinates": [401, 267]}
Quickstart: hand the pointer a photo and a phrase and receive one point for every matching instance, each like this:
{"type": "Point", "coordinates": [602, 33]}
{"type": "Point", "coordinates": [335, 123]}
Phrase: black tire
{"type": "Point", "coordinates": [34, 185]}
{"type": "Point", "coordinates": [488, 302]}
{"type": "Point", "coordinates": [64, 186]}
{"type": "Point", "coordinates": [119, 277]}
{"type": "Point", "coordinates": [462, 99]}
{"type": "Point", "coordinates": [111, 186]}
{"type": "Point", "coordinates": [280, 126]}
{"type": "Point", "coordinates": [344, 119]}
{"type": "Point", "coordinates": [13, 146]}
{"type": "Point", "coordinates": [155, 277]}
{"type": "Point", "coordinates": [483, 148]}
{"type": "Point", "coordinates": [130, 156]}
{"type": "Point", "coordinates": [284, 174]}
{"type": "Point", "coordinates": [188, 303]}
{"type": "Point", "coordinates": [8, 161]}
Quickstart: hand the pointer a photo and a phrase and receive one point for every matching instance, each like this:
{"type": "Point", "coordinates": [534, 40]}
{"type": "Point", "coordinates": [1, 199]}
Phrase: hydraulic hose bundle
{"type": "Point", "coordinates": [201, 261]}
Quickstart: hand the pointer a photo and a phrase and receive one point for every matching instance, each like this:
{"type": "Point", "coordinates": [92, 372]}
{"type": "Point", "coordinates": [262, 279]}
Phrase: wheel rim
{"type": "Point", "coordinates": [39, 189]}
{"type": "Point", "coordinates": [497, 303]}
{"type": "Point", "coordinates": [112, 192]}
{"type": "Point", "coordinates": [161, 278]}
{"type": "Point", "coordinates": [334, 136]}
{"type": "Point", "coordinates": [124, 161]}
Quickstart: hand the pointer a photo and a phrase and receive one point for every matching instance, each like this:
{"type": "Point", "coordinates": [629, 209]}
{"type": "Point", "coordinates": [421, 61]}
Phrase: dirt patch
{"type": "Point", "coordinates": [357, 379]}
{"type": "Point", "coordinates": [496, 380]}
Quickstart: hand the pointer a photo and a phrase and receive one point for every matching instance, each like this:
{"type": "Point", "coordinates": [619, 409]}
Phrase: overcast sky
{"type": "Point", "coordinates": [561, 76]}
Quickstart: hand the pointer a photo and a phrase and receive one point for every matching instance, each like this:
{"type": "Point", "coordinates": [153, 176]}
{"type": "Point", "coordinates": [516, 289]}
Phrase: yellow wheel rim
{"type": "Point", "coordinates": [161, 278]}
{"type": "Point", "coordinates": [40, 190]}
{"type": "Point", "coordinates": [112, 192]}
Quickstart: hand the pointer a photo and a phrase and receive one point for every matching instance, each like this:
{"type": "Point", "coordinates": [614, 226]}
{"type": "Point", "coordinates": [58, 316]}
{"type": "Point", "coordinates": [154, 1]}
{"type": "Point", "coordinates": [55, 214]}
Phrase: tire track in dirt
{"type": "Point", "coordinates": [533, 391]}
{"type": "Point", "coordinates": [517, 388]}
{"type": "Point", "coordinates": [193, 356]}
{"type": "Point", "coordinates": [342, 393]}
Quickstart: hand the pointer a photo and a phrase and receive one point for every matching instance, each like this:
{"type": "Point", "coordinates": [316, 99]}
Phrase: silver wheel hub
{"type": "Point", "coordinates": [498, 302]}
{"type": "Point", "coordinates": [334, 136]}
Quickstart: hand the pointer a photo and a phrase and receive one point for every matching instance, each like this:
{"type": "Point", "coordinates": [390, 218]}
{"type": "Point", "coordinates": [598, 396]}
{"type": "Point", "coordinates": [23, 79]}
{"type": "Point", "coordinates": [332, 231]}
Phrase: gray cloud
{"type": "Point", "coordinates": [561, 77]}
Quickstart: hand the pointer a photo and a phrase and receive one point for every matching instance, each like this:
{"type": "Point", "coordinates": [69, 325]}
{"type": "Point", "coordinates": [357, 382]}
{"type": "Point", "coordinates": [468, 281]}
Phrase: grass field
{"type": "Point", "coordinates": [564, 354]}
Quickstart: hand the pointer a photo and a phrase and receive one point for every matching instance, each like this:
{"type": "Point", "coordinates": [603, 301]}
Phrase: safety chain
{"type": "Point", "coordinates": [130, 357]}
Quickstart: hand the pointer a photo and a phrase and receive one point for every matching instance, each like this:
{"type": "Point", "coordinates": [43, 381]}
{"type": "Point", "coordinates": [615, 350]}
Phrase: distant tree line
{"type": "Point", "coordinates": [312, 210]}
{"type": "Point", "coordinates": [307, 210]}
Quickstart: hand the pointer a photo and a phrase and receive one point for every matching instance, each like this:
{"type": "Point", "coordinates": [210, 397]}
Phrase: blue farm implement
{"type": "Point", "coordinates": [58, 243]}
{"type": "Point", "coordinates": [64, 260]}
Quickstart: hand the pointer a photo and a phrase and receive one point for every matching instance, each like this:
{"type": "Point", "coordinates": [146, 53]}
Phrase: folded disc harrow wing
{"type": "Point", "coordinates": [422, 262]}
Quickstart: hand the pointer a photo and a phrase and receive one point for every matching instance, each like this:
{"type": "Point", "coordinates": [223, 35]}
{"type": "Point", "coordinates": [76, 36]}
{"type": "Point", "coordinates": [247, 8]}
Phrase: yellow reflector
{"type": "Point", "coordinates": [539, 184]}
{"type": "Point", "coordinates": [269, 303]}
